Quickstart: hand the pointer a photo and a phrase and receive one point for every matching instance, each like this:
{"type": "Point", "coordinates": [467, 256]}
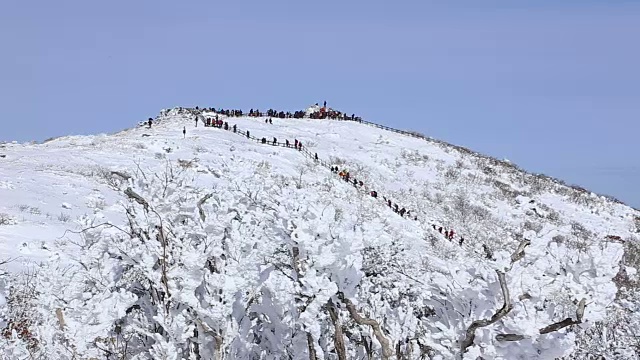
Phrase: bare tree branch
{"type": "Point", "coordinates": [137, 198]}
{"type": "Point", "coordinates": [509, 337]}
{"type": "Point", "coordinates": [200, 203]}
{"type": "Point", "coordinates": [519, 253]}
{"type": "Point", "coordinates": [550, 328]}
{"type": "Point", "coordinates": [387, 352]}
{"type": "Point", "coordinates": [502, 312]}
{"type": "Point", "coordinates": [568, 321]}
{"type": "Point", "coordinates": [312, 350]}
{"type": "Point", "coordinates": [121, 174]}
{"type": "Point", "coordinates": [337, 336]}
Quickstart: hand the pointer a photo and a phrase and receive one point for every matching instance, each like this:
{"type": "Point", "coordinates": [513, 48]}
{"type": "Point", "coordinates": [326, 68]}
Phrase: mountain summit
{"type": "Point", "coordinates": [312, 235]}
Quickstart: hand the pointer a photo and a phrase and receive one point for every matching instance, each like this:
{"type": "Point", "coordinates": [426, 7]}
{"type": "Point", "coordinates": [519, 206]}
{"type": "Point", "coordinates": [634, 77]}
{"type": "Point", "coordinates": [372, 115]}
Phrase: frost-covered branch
{"type": "Point", "coordinates": [297, 267]}
{"type": "Point", "coordinates": [550, 328]}
{"type": "Point", "coordinates": [387, 352]}
{"type": "Point", "coordinates": [121, 174]}
{"type": "Point", "coordinates": [502, 312]}
{"type": "Point", "coordinates": [568, 321]}
{"type": "Point", "coordinates": [200, 203]}
{"type": "Point", "coordinates": [337, 335]}
{"type": "Point", "coordinates": [137, 198]}
{"type": "Point", "coordinates": [519, 253]}
{"type": "Point", "coordinates": [509, 337]}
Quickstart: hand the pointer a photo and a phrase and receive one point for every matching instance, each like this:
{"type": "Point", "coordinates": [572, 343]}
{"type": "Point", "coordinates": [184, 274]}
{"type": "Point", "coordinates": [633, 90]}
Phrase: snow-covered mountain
{"type": "Point", "coordinates": [153, 244]}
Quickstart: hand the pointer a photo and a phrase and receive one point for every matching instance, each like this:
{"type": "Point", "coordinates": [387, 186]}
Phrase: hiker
{"type": "Point", "coordinates": [361, 183]}
{"type": "Point", "coordinates": [316, 157]}
{"type": "Point", "coordinates": [296, 143]}
{"type": "Point", "coordinates": [264, 140]}
{"type": "Point", "coordinates": [389, 202]}
{"type": "Point", "coordinates": [247, 134]}
{"type": "Point", "coordinates": [226, 125]}
{"type": "Point", "coordinates": [275, 141]}
{"type": "Point", "coordinates": [196, 120]}
{"type": "Point", "coordinates": [374, 194]}
{"type": "Point", "coordinates": [451, 233]}
{"type": "Point", "coordinates": [287, 142]}
{"type": "Point", "coordinates": [402, 211]}
{"type": "Point", "coordinates": [208, 123]}
{"type": "Point", "coordinates": [325, 104]}
{"type": "Point", "coordinates": [300, 145]}
{"type": "Point", "coordinates": [184, 131]}
{"type": "Point", "coordinates": [395, 208]}
{"type": "Point", "coordinates": [266, 121]}
{"type": "Point", "coordinates": [150, 122]}
{"type": "Point", "coordinates": [440, 229]}
{"type": "Point", "coordinates": [461, 241]}
{"type": "Point", "coordinates": [234, 128]}
{"type": "Point", "coordinates": [270, 121]}
{"type": "Point", "coordinates": [355, 182]}
{"type": "Point", "coordinates": [434, 226]}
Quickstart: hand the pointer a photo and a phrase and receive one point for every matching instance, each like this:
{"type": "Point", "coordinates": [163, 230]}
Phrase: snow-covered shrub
{"type": "Point", "coordinates": [581, 238]}
{"type": "Point", "coordinates": [187, 164]}
{"type": "Point", "coordinates": [111, 178]}
{"type": "Point", "coordinates": [6, 219]}
{"type": "Point", "coordinates": [19, 314]}
{"type": "Point", "coordinates": [532, 226]}
{"type": "Point", "coordinates": [507, 190]}
{"type": "Point", "coordinates": [414, 157]}
{"type": "Point", "coordinates": [335, 160]}
{"type": "Point", "coordinates": [200, 149]}
{"type": "Point", "coordinates": [452, 174]}
{"type": "Point", "coordinates": [64, 217]}
{"type": "Point", "coordinates": [632, 253]}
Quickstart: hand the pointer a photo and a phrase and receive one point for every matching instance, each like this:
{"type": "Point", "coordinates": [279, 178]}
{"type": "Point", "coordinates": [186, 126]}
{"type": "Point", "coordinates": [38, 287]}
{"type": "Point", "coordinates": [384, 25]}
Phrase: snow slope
{"type": "Point", "coordinates": [281, 245]}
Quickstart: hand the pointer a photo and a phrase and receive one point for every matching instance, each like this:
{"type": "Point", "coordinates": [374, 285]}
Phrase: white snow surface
{"type": "Point", "coordinates": [282, 238]}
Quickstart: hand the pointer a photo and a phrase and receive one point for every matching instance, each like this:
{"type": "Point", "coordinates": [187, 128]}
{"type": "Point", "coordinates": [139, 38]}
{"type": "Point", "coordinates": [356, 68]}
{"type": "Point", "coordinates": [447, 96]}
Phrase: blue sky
{"type": "Point", "coordinates": [553, 86]}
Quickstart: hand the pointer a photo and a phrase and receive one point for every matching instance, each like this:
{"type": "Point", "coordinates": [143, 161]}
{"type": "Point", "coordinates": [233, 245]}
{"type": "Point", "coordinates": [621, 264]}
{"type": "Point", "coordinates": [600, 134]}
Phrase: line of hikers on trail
{"type": "Point", "coordinates": [321, 114]}
{"type": "Point", "coordinates": [297, 144]}
{"type": "Point", "coordinates": [346, 176]}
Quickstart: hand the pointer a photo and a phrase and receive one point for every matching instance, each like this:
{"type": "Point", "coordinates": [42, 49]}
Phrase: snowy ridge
{"type": "Point", "coordinates": [143, 244]}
